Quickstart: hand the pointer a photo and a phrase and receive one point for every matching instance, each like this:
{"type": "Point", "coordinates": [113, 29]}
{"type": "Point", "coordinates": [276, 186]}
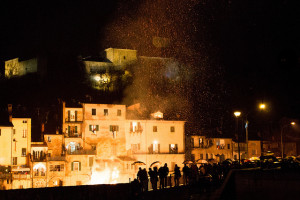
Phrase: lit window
{"type": "Point", "coordinates": [94, 128]}
{"type": "Point", "coordinates": [105, 112]}
{"type": "Point", "coordinates": [156, 147]}
{"type": "Point", "coordinates": [135, 127]}
{"type": "Point", "coordinates": [24, 133]}
{"type": "Point", "coordinates": [173, 148]}
{"type": "Point", "coordinates": [23, 151]}
{"type": "Point", "coordinates": [93, 111]}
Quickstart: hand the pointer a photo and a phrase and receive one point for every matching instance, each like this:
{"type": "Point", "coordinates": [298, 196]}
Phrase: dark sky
{"type": "Point", "coordinates": [255, 43]}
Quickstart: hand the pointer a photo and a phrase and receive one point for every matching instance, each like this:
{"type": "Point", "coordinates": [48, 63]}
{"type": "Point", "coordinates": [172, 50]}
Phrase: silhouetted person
{"type": "Point", "coordinates": [186, 174]}
{"type": "Point", "coordinates": [155, 174]}
{"type": "Point", "coordinates": [177, 175]}
{"type": "Point", "coordinates": [161, 175]}
{"type": "Point", "coordinates": [166, 173]}
{"type": "Point", "coordinates": [135, 188]}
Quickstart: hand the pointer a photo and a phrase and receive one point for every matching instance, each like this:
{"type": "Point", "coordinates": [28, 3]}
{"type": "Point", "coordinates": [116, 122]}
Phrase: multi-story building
{"type": "Point", "coordinates": [15, 141]}
{"type": "Point", "coordinates": [219, 149]}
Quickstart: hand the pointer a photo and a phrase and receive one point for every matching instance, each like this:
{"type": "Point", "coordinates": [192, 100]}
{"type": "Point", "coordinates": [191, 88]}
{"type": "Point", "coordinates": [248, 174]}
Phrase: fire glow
{"type": "Point", "coordinates": [107, 172]}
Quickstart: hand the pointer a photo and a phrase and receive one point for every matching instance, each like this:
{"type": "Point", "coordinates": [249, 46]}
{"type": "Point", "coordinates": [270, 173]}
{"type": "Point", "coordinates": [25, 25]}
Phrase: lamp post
{"type": "Point", "coordinates": [281, 133]}
{"type": "Point", "coordinates": [237, 114]}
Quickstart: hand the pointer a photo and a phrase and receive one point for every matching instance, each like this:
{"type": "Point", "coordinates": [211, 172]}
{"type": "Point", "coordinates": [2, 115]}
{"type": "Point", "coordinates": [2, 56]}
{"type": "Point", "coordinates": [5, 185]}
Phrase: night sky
{"type": "Point", "coordinates": [242, 52]}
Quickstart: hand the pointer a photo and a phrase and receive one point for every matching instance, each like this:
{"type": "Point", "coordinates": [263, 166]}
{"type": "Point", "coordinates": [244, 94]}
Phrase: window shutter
{"type": "Point", "coordinates": [117, 128]}
{"type": "Point", "coordinates": [170, 148]}
{"type": "Point", "coordinates": [79, 166]}
{"type": "Point", "coordinates": [110, 128]}
{"type": "Point", "coordinates": [90, 127]}
{"type": "Point", "coordinates": [75, 129]}
{"type": "Point", "coordinates": [69, 115]}
{"type": "Point", "coordinates": [131, 128]}
{"type": "Point", "coordinates": [97, 127]}
{"type": "Point", "coordinates": [176, 146]}
{"type": "Point", "coordinates": [139, 126]}
{"type": "Point", "coordinates": [158, 148]}
{"type": "Point", "coordinates": [76, 115]}
{"type": "Point", "coordinates": [151, 149]}
{"type": "Point", "coordinates": [72, 167]}
{"type": "Point", "coordinates": [69, 128]}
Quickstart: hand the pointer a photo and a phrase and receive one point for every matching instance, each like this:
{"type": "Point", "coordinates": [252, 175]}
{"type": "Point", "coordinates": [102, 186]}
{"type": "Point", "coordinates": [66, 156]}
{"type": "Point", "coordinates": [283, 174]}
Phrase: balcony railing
{"type": "Point", "coordinates": [21, 176]}
{"type": "Point", "coordinates": [73, 135]}
{"type": "Point", "coordinates": [82, 152]}
{"type": "Point", "coordinates": [56, 158]}
{"type": "Point", "coordinates": [38, 159]}
{"type": "Point", "coordinates": [73, 121]}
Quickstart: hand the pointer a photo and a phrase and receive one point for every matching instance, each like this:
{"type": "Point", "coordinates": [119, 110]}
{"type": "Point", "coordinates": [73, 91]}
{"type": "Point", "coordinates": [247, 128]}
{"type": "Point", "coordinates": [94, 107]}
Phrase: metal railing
{"type": "Point", "coordinates": [82, 152]}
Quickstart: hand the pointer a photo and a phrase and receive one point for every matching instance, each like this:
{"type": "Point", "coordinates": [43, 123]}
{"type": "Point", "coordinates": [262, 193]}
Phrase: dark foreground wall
{"type": "Point", "coordinates": [261, 184]}
{"type": "Point", "coordinates": [93, 192]}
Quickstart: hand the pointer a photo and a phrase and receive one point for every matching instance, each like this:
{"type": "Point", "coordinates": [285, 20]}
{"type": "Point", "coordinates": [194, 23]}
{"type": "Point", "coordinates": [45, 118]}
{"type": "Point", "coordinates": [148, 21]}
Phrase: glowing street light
{"type": "Point", "coordinates": [237, 114]}
{"type": "Point", "coordinates": [262, 106]}
{"type": "Point", "coordinates": [281, 133]}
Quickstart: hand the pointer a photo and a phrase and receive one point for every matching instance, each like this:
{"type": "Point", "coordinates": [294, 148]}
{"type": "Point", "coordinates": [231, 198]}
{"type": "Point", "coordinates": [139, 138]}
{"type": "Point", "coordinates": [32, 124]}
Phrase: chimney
{"type": "Point", "coordinates": [9, 109]}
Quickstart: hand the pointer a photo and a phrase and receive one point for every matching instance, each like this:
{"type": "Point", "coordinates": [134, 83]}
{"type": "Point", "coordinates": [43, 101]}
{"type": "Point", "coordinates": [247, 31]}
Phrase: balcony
{"type": "Point", "coordinates": [72, 121]}
{"type": "Point", "coordinates": [73, 135]}
{"type": "Point", "coordinates": [82, 152]}
{"type": "Point", "coordinates": [56, 158]}
{"type": "Point", "coordinates": [42, 158]}
{"type": "Point", "coordinates": [20, 176]}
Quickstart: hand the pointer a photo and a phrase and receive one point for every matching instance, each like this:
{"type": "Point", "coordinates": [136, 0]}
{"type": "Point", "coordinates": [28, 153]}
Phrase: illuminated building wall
{"type": "Point", "coordinates": [6, 134]}
{"type": "Point", "coordinates": [211, 148]}
{"type": "Point", "coordinates": [15, 68]}
{"type": "Point", "coordinates": [156, 140]}
{"type": "Point", "coordinates": [121, 56]}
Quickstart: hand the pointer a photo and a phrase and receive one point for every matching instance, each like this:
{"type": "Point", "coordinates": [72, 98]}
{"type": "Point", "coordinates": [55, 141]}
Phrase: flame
{"type": "Point", "coordinates": [109, 174]}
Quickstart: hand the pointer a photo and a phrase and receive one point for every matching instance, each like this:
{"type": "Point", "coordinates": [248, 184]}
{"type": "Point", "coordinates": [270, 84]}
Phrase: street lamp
{"type": "Point", "coordinates": [281, 133]}
{"type": "Point", "coordinates": [237, 114]}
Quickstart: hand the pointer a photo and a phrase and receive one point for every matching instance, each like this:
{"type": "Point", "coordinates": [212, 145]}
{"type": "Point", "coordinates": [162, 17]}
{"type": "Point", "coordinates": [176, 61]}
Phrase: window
{"type": "Point", "coordinates": [14, 131]}
{"type": "Point", "coordinates": [24, 121]}
{"type": "Point", "coordinates": [220, 144]}
{"type": "Point", "coordinates": [135, 127]}
{"type": "Point", "coordinates": [119, 113]}
{"type": "Point", "coordinates": [24, 133]}
{"type": "Point", "coordinates": [105, 112]}
{"type": "Point", "coordinates": [56, 168]}
{"type": "Point", "coordinates": [76, 166]}
{"type": "Point", "coordinates": [94, 128]}
{"type": "Point", "coordinates": [23, 151]}
{"type": "Point", "coordinates": [254, 151]}
{"type": "Point", "coordinates": [15, 160]}
{"type": "Point", "coordinates": [155, 147]}
{"type": "Point", "coordinates": [93, 111]}
{"type": "Point", "coordinates": [154, 128]}
{"type": "Point", "coordinates": [172, 128]}
{"type": "Point", "coordinates": [135, 147]}
{"type": "Point", "coordinates": [173, 148]}
{"type": "Point", "coordinates": [193, 157]}
{"type": "Point", "coordinates": [49, 139]}
{"type": "Point", "coordinates": [201, 156]}
{"type": "Point", "coordinates": [228, 146]}
{"type": "Point", "coordinates": [114, 129]}
{"type": "Point", "coordinates": [192, 142]}
{"type": "Point", "coordinates": [91, 161]}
